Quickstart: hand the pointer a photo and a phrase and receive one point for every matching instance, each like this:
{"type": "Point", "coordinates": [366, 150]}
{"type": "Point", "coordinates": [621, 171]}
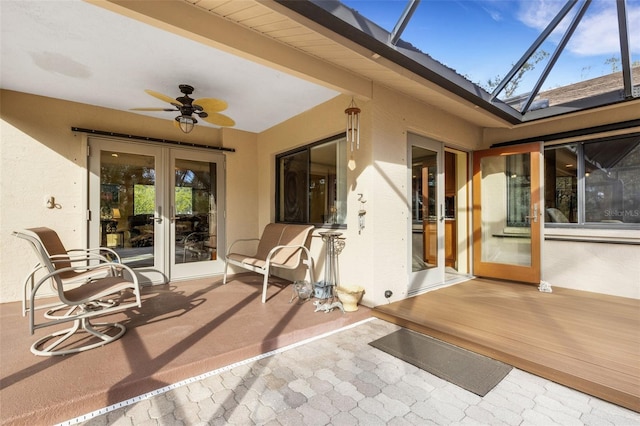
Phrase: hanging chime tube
{"type": "Point", "coordinates": [353, 125]}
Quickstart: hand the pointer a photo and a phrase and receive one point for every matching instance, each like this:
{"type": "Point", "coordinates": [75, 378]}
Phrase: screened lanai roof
{"type": "Point", "coordinates": [521, 60]}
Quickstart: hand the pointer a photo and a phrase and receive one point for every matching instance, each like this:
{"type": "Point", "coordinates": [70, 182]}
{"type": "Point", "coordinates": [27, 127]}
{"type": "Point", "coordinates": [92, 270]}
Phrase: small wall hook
{"type": "Point", "coordinates": [51, 202]}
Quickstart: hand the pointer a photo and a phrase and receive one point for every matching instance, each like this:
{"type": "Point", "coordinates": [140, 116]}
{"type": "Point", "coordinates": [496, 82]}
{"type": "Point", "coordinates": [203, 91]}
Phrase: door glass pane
{"type": "Point", "coordinates": [127, 206]}
{"type": "Point", "coordinates": [195, 211]}
{"type": "Point", "coordinates": [424, 190]}
{"type": "Point", "coordinates": [506, 203]}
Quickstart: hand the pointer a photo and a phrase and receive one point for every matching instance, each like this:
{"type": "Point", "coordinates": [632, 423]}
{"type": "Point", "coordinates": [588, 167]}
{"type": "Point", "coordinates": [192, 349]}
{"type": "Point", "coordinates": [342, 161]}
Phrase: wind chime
{"type": "Point", "coordinates": [353, 125]}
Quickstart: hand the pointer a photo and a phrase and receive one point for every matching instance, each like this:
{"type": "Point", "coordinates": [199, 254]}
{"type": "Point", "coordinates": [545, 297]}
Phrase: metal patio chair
{"type": "Point", "coordinates": [87, 283]}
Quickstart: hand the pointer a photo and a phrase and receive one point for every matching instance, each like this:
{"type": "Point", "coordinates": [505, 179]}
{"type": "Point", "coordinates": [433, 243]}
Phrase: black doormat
{"type": "Point", "coordinates": [473, 372]}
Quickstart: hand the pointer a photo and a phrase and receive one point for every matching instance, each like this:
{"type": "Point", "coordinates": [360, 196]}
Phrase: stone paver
{"type": "Point", "coordinates": [341, 380]}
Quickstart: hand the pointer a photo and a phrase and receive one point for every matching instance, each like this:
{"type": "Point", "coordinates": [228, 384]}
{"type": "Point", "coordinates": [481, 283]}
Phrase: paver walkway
{"type": "Point", "coordinates": [339, 379]}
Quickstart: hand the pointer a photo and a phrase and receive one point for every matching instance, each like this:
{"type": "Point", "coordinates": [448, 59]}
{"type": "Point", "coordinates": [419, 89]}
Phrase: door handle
{"type": "Point", "coordinates": [158, 219]}
{"type": "Point", "coordinates": [441, 212]}
{"type": "Point", "coordinates": [535, 213]}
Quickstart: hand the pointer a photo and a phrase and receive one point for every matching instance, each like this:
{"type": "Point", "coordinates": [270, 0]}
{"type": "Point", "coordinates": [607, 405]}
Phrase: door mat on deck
{"type": "Point", "coordinates": [473, 372]}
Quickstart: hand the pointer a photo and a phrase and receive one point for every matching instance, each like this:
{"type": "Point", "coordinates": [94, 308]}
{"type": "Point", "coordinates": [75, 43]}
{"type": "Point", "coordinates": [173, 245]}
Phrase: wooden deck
{"type": "Point", "coordinates": [587, 341]}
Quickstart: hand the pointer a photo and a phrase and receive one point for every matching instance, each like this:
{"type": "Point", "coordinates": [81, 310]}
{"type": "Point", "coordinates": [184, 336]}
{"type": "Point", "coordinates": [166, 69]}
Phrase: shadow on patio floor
{"type": "Point", "coordinates": [182, 330]}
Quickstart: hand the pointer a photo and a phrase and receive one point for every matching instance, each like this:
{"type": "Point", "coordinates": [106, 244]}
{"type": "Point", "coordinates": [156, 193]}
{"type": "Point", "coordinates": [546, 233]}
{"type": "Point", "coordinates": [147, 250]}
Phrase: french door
{"type": "Point", "coordinates": [426, 233]}
{"type": "Point", "coordinates": [506, 213]}
{"type": "Point", "coordinates": [161, 209]}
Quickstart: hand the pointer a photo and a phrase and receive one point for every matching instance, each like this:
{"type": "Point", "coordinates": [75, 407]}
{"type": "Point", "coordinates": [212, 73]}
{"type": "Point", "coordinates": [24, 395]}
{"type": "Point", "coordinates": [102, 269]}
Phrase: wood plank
{"type": "Point", "coordinates": [586, 341]}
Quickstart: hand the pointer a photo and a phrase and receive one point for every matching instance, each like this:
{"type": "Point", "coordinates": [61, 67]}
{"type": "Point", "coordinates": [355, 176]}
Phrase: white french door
{"type": "Point", "coordinates": [426, 233]}
{"type": "Point", "coordinates": [160, 208]}
{"type": "Point", "coordinates": [196, 208]}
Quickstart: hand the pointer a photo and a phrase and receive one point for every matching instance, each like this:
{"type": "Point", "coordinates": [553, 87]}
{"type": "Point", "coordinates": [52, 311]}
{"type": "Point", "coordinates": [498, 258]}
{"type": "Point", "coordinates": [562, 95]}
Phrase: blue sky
{"type": "Point", "coordinates": [482, 39]}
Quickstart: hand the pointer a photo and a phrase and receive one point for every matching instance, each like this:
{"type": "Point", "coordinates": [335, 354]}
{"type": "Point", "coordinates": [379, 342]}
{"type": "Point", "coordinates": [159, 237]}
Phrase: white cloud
{"type": "Point", "coordinates": [538, 13]}
{"type": "Point", "coordinates": [597, 33]}
{"type": "Point", "coordinates": [494, 14]}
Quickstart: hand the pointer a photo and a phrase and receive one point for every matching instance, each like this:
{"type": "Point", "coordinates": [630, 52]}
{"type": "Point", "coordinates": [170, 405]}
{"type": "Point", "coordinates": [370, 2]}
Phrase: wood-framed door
{"type": "Point", "coordinates": [506, 213]}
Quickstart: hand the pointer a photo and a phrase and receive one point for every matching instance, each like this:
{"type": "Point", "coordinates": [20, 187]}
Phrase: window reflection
{"type": "Point", "coordinates": [610, 170]}
{"type": "Point", "coordinates": [312, 186]}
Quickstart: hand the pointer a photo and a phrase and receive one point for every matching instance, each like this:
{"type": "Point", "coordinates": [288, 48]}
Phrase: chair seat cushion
{"type": "Point", "coordinates": [97, 289]}
{"type": "Point", "coordinates": [247, 260]}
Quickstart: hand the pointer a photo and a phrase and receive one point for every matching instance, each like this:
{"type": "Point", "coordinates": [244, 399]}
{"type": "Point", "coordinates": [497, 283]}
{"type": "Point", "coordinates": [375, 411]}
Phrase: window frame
{"type": "Point", "coordinates": [581, 186]}
{"type": "Point", "coordinates": [278, 196]}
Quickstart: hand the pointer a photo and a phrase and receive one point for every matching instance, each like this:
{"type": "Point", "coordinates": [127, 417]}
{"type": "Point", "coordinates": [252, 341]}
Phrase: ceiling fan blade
{"type": "Point", "coordinates": [153, 109]}
{"type": "Point", "coordinates": [219, 120]}
{"type": "Point", "coordinates": [211, 104]}
{"type": "Point", "coordinates": [164, 98]}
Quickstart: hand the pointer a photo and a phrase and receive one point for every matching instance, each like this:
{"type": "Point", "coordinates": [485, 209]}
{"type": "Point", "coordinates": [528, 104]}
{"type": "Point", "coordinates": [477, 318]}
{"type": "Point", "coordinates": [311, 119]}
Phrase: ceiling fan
{"type": "Point", "coordinates": [206, 108]}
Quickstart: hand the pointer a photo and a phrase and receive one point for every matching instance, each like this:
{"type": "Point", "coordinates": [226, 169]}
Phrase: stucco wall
{"type": "Point", "coordinates": [581, 120]}
{"type": "Point", "coordinates": [376, 258]}
{"type": "Point", "coordinates": [42, 157]}
{"type": "Point", "coordinates": [596, 260]}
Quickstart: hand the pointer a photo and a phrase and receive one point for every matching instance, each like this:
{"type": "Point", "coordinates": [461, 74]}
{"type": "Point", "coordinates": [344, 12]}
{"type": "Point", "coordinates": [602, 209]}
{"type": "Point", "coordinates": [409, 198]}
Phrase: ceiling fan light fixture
{"type": "Point", "coordinates": [186, 122]}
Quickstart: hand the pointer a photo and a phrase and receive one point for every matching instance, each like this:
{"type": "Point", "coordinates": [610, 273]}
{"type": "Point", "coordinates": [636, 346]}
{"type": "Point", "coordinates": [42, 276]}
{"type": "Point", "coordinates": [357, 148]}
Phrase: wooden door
{"type": "Point", "coordinates": [506, 213]}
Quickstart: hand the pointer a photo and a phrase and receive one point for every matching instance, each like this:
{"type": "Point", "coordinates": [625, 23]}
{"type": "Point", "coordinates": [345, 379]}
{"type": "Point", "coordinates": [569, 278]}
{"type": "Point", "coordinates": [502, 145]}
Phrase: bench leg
{"type": "Point", "coordinates": [224, 278]}
{"type": "Point", "coordinates": [264, 286]}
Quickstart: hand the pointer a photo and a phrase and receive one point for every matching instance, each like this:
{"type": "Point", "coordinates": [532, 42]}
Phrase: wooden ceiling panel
{"type": "Point", "coordinates": [260, 17]}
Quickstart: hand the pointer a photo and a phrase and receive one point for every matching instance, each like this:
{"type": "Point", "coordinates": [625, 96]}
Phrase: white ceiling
{"type": "Point", "coordinates": [79, 52]}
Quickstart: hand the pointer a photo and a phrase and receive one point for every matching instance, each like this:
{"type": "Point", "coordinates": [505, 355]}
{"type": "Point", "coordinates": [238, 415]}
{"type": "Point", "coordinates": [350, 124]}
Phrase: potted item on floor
{"type": "Point", "coordinates": [349, 295]}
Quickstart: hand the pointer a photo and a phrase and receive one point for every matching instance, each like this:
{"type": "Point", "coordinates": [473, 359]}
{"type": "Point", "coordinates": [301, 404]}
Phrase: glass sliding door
{"type": "Point", "coordinates": [427, 212]}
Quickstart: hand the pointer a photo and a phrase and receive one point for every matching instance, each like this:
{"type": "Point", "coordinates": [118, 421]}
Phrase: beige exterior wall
{"type": "Point", "coordinates": [606, 268]}
{"type": "Point", "coordinates": [377, 258]}
{"type": "Point", "coordinates": [42, 157]}
{"type": "Point", "coordinates": [581, 120]}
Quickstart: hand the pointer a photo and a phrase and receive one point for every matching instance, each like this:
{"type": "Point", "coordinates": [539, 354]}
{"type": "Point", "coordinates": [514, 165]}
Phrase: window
{"type": "Point", "coordinates": [311, 184]}
{"type": "Point", "coordinates": [595, 182]}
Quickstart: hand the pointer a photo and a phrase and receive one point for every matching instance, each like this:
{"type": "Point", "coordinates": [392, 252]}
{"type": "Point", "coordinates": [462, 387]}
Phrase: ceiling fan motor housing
{"type": "Point", "coordinates": [185, 105]}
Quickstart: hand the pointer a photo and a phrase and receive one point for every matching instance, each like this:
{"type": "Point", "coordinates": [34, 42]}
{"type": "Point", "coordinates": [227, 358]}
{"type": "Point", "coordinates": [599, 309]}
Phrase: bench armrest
{"type": "Point", "coordinates": [239, 241]}
{"type": "Point", "coordinates": [276, 249]}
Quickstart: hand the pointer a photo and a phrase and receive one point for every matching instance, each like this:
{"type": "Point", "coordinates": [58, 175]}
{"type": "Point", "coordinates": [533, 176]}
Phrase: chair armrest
{"type": "Point", "coordinates": [101, 292]}
{"type": "Point", "coordinates": [193, 237]}
{"type": "Point", "coordinates": [96, 251]}
{"type": "Point", "coordinates": [276, 249]}
{"type": "Point", "coordinates": [239, 241]}
{"type": "Point", "coordinates": [59, 258]}
{"type": "Point", "coordinates": [88, 268]}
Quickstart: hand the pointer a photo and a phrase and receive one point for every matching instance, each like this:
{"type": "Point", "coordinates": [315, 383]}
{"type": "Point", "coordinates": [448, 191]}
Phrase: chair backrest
{"type": "Point", "coordinates": [280, 234]}
{"type": "Point", "coordinates": [33, 238]}
{"type": "Point", "coordinates": [54, 247]}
